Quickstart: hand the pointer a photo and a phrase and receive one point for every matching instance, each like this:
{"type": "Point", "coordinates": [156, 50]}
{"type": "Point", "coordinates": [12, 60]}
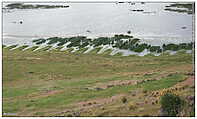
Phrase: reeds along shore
{"type": "Point", "coordinates": [121, 41]}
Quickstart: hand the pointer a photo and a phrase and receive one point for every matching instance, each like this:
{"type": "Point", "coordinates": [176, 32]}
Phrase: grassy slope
{"type": "Point", "coordinates": [42, 83]}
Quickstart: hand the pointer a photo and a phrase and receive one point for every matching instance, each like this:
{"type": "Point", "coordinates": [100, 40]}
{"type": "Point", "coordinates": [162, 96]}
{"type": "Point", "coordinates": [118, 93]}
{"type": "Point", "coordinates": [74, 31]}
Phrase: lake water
{"type": "Point", "coordinates": [101, 19]}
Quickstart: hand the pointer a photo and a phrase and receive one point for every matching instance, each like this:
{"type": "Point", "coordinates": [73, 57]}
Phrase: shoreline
{"type": "Point", "coordinates": [148, 39]}
{"type": "Point", "coordinates": [122, 44]}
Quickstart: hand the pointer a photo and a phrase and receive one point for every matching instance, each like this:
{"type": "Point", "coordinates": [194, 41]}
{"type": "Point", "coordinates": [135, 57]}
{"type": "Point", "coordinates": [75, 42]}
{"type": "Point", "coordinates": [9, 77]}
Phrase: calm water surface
{"type": "Point", "coordinates": [101, 19]}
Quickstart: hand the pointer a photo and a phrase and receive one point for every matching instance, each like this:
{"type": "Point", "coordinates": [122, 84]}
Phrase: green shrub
{"type": "Point", "coordinates": [145, 91]}
{"type": "Point", "coordinates": [173, 47]}
{"type": "Point", "coordinates": [12, 46]}
{"type": "Point", "coordinates": [3, 46]}
{"type": "Point", "coordinates": [53, 40]}
{"type": "Point", "coordinates": [171, 104]}
{"type": "Point", "coordinates": [124, 100]}
{"type": "Point", "coordinates": [61, 43]}
{"type": "Point", "coordinates": [135, 40]}
{"type": "Point", "coordinates": [122, 36]}
{"type": "Point", "coordinates": [39, 41]}
{"type": "Point", "coordinates": [155, 49]}
{"type": "Point", "coordinates": [140, 47]}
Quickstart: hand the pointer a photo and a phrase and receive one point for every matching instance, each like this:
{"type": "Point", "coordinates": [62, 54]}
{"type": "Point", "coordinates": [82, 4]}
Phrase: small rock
{"type": "Point", "coordinates": [156, 101]}
{"type": "Point", "coordinates": [77, 114]}
{"type": "Point", "coordinates": [190, 98]}
{"type": "Point", "coordinates": [98, 88]}
{"type": "Point", "coordinates": [84, 104]}
{"type": "Point", "coordinates": [141, 109]}
{"type": "Point", "coordinates": [108, 86]}
{"type": "Point", "coordinates": [128, 32]}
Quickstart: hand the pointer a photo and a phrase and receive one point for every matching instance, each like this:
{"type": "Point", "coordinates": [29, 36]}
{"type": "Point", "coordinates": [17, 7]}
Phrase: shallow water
{"type": "Point", "coordinates": [101, 19]}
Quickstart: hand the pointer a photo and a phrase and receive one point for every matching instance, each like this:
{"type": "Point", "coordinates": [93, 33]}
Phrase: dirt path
{"type": "Point", "coordinates": [109, 84]}
{"type": "Point", "coordinates": [188, 82]}
{"type": "Point", "coordinates": [84, 106]}
{"type": "Point", "coordinates": [177, 87]}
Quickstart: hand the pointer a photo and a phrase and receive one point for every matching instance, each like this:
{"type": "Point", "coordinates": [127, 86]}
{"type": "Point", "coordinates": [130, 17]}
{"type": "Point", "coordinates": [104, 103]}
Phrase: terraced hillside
{"type": "Point", "coordinates": [56, 82]}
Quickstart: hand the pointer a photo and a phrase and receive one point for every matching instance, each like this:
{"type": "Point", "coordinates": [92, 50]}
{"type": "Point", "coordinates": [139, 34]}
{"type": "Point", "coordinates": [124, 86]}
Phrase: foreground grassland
{"type": "Point", "coordinates": [59, 83]}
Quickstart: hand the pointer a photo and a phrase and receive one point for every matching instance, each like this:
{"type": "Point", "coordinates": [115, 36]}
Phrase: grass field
{"type": "Point", "coordinates": [60, 83]}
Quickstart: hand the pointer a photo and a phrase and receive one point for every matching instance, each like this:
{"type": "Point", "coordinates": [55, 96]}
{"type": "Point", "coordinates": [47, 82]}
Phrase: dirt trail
{"type": "Point", "coordinates": [95, 103]}
{"type": "Point", "coordinates": [109, 84]}
{"type": "Point", "coordinates": [177, 87]}
{"type": "Point", "coordinates": [45, 94]}
{"type": "Point", "coordinates": [85, 106]}
{"type": "Point", "coordinates": [188, 82]}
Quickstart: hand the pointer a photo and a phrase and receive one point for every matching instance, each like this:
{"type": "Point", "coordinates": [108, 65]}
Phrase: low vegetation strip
{"type": "Point", "coordinates": [125, 42]}
{"type": "Point", "coordinates": [180, 8]}
{"type": "Point", "coordinates": [31, 6]}
{"type": "Point", "coordinates": [118, 45]}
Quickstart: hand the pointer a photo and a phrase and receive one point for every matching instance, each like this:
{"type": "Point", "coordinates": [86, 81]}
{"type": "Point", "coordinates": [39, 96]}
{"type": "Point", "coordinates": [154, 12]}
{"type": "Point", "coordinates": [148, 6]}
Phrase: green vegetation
{"type": "Point", "coordinates": [140, 47]}
{"type": "Point", "coordinates": [121, 41]}
{"type": "Point", "coordinates": [39, 41]}
{"type": "Point", "coordinates": [46, 83]}
{"type": "Point", "coordinates": [163, 83]}
{"type": "Point", "coordinates": [29, 6]}
{"type": "Point", "coordinates": [11, 47]}
{"type": "Point", "coordinates": [188, 8]}
{"type": "Point", "coordinates": [171, 104]}
{"type": "Point", "coordinates": [124, 100]}
{"type": "Point", "coordinates": [32, 48]}
{"type": "Point", "coordinates": [3, 46]}
{"type": "Point", "coordinates": [155, 49]}
{"type": "Point", "coordinates": [48, 80]}
{"type": "Point", "coordinates": [176, 47]}
{"type": "Point", "coordinates": [22, 47]}
{"type": "Point", "coordinates": [178, 5]}
{"type": "Point", "coordinates": [178, 10]}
